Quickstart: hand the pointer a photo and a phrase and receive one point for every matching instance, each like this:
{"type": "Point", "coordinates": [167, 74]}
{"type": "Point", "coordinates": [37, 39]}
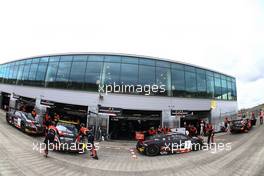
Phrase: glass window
{"type": "Point", "coordinates": [22, 61]}
{"type": "Point", "coordinates": [163, 80]}
{"type": "Point", "coordinates": [28, 61]}
{"type": "Point", "coordinates": [54, 58]}
{"type": "Point", "coordinates": [111, 73]}
{"type": "Point", "coordinates": [76, 78]}
{"type": "Point", "coordinates": [210, 86]}
{"type": "Point", "coordinates": [44, 59]}
{"type": "Point", "coordinates": [218, 91]}
{"type": "Point", "coordinates": [51, 74]}
{"type": "Point", "coordinates": [201, 83]}
{"type": "Point", "coordinates": [178, 83]}
{"type": "Point", "coordinates": [130, 60]}
{"type": "Point", "coordinates": [11, 69]}
{"type": "Point", "coordinates": [216, 75]}
{"type": "Point", "coordinates": [33, 72]}
{"type": "Point", "coordinates": [224, 89]}
{"type": "Point", "coordinates": [177, 66]}
{"type": "Point", "coordinates": [93, 75]}
{"type": "Point", "coordinates": [229, 88]}
{"type": "Point", "coordinates": [234, 93]}
{"type": "Point", "coordinates": [35, 60]}
{"type": "Point", "coordinates": [14, 76]}
{"type": "Point", "coordinates": [41, 73]}
{"type": "Point", "coordinates": [146, 76]}
{"type": "Point", "coordinates": [25, 73]}
{"type": "Point", "coordinates": [189, 68]}
{"type": "Point", "coordinates": [95, 58]}
{"type": "Point", "coordinates": [80, 58]}
{"type": "Point", "coordinates": [190, 83]}
{"type": "Point", "coordinates": [1, 71]}
{"type": "Point", "coordinates": [6, 74]}
{"type": "Point", "coordinates": [112, 58]}
{"type": "Point", "coordinates": [162, 64]}
{"type": "Point", "coordinates": [66, 58]}
{"type": "Point", "coordinates": [228, 78]}
{"type": "Point", "coordinates": [129, 74]}
{"type": "Point", "coordinates": [147, 62]}
{"type": "Point", "coordinates": [63, 74]}
{"type": "Point", "coordinates": [209, 73]}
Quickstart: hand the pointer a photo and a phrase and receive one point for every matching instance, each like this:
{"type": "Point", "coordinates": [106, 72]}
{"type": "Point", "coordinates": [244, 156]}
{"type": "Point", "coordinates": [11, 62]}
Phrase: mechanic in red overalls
{"type": "Point", "coordinates": [50, 136]}
{"type": "Point", "coordinates": [152, 131]}
{"type": "Point", "coordinates": [210, 131]}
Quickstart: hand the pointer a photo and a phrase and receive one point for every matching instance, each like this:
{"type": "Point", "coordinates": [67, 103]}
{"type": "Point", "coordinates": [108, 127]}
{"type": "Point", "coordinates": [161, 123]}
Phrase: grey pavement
{"type": "Point", "coordinates": [17, 157]}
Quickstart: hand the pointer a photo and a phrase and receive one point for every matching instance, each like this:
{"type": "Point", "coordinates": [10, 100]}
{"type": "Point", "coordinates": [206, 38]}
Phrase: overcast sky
{"type": "Point", "coordinates": [225, 35]}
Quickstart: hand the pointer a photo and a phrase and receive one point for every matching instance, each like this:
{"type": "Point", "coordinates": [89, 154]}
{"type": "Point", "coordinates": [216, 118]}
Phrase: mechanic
{"type": "Point", "coordinates": [49, 138]}
{"type": "Point", "coordinates": [90, 137]}
{"type": "Point", "coordinates": [159, 130]}
{"type": "Point", "coordinates": [193, 131]}
{"type": "Point", "coordinates": [34, 113]}
{"type": "Point", "coordinates": [261, 115]}
{"type": "Point", "coordinates": [48, 122]}
{"type": "Point", "coordinates": [56, 118]}
{"type": "Point", "coordinates": [209, 132]}
{"type": "Point", "coordinates": [83, 131]}
{"type": "Point", "coordinates": [152, 131]}
{"type": "Point", "coordinates": [166, 130]}
{"type": "Point", "coordinates": [226, 122]}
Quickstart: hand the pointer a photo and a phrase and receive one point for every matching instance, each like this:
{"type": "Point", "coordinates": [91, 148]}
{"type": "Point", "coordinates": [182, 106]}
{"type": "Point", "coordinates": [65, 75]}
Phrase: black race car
{"type": "Point", "coordinates": [24, 121]}
{"type": "Point", "coordinates": [241, 125]}
{"type": "Point", "coordinates": [169, 143]}
{"type": "Point", "coordinates": [68, 138]}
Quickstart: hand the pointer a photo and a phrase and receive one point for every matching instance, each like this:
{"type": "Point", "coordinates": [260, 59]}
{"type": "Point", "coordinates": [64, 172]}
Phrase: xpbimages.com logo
{"type": "Point", "coordinates": [134, 89]}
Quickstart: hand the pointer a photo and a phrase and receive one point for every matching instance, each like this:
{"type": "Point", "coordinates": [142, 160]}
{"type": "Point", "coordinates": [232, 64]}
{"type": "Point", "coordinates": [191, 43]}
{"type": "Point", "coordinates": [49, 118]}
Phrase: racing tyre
{"type": "Point", "coordinates": [152, 150]}
{"type": "Point", "coordinates": [8, 120]}
{"type": "Point", "coordinates": [23, 128]}
{"type": "Point", "coordinates": [196, 146]}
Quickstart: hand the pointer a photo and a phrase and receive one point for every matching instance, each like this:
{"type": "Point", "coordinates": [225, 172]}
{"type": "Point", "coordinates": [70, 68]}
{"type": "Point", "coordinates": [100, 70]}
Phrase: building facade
{"type": "Point", "coordinates": [189, 91]}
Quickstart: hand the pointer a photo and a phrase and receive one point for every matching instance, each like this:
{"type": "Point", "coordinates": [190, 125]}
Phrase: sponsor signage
{"type": "Point", "coordinates": [110, 110]}
{"type": "Point", "coordinates": [181, 113]}
{"type": "Point", "coordinates": [213, 104]}
{"type": "Point", "coordinates": [46, 103]}
{"type": "Point", "coordinates": [15, 96]}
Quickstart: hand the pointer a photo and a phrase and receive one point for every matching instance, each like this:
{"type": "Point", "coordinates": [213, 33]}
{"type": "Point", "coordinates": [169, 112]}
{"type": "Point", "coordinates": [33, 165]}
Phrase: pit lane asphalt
{"type": "Point", "coordinates": [17, 157]}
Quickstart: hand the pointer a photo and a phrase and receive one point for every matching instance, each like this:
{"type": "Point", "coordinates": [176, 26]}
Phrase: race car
{"type": "Point", "coordinates": [241, 125]}
{"type": "Point", "coordinates": [68, 138]}
{"type": "Point", "coordinates": [24, 121]}
{"type": "Point", "coordinates": [169, 144]}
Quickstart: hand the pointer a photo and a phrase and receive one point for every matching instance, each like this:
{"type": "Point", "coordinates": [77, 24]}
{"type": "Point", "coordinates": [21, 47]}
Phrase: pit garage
{"type": "Point", "coordinates": [124, 123]}
{"type": "Point", "coordinates": [194, 117]}
{"type": "Point", "coordinates": [68, 112]}
{"type": "Point", "coordinates": [22, 103]}
{"type": "Point", "coordinates": [5, 99]}
{"type": "Point", "coordinates": [191, 118]}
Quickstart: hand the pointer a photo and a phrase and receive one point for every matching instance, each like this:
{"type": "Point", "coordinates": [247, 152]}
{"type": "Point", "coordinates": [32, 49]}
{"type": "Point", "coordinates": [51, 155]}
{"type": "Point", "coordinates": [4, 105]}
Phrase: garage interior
{"type": "Point", "coordinates": [68, 112]}
{"type": "Point", "coordinates": [5, 99]}
{"type": "Point", "coordinates": [124, 127]}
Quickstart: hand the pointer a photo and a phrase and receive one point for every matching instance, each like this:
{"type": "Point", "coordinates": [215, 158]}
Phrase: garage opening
{"type": "Point", "coordinates": [5, 99]}
{"type": "Point", "coordinates": [192, 118]}
{"type": "Point", "coordinates": [21, 103]}
{"type": "Point", "coordinates": [125, 126]}
{"type": "Point", "coordinates": [67, 112]}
